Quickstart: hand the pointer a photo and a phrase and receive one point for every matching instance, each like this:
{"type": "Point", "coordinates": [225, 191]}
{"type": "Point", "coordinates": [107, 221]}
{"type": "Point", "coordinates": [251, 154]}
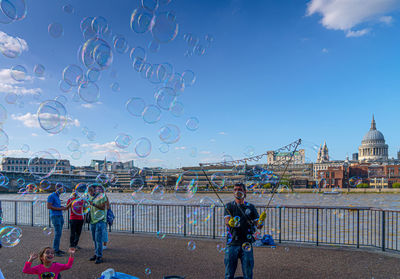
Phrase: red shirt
{"type": "Point", "coordinates": [78, 208]}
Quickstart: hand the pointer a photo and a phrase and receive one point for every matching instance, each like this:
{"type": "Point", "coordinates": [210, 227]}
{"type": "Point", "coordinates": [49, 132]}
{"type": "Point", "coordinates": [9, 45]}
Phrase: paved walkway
{"type": "Point", "coordinates": [132, 254]}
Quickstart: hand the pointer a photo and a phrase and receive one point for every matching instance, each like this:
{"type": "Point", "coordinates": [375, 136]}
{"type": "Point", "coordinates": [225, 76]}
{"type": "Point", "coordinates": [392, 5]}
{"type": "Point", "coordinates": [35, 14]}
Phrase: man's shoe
{"type": "Point", "coordinates": [99, 260]}
{"type": "Point", "coordinates": [104, 247]}
{"type": "Point", "coordinates": [93, 258]}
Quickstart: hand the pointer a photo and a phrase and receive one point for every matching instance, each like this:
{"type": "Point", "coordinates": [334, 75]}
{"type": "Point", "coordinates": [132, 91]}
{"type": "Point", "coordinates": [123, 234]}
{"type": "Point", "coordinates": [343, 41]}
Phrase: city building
{"type": "Point", "coordinates": [34, 165]}
{"type": "Point", "coordinates": [104, 165]}
{"type": "Point", "coordinates": [323, 154]}
{"type": "Point", "coordinates": [322, 167]}
{"type": "Point", "coordinates": [274, 158]}
{"type": "Point", "coordinates": [373, 146]}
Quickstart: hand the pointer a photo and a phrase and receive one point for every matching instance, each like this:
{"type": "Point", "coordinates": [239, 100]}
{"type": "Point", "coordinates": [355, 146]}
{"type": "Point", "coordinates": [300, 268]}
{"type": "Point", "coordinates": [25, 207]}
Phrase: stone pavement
{"type": "Point", "coordinates": [132, 254]}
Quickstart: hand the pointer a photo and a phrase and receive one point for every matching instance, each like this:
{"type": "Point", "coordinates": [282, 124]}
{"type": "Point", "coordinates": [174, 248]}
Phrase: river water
{"type": "Point", "coordinates": [384, 201]}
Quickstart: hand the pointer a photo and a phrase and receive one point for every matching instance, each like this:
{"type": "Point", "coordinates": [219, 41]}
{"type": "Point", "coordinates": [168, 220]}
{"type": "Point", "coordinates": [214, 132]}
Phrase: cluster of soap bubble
{"type": "Point", "coordinates": [197, 45]}
{"type": "Point", "coordinates": [355, 181]}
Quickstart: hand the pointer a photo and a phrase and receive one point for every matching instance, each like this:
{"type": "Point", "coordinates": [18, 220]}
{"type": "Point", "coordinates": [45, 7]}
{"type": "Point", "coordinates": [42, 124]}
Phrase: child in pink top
{"type": "Point", "coordinates": [48, 269]}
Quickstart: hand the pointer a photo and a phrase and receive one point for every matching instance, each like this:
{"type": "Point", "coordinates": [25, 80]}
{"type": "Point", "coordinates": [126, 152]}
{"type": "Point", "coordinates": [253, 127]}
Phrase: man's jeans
{"type": "Point", "coordinates": [97, 236]}
{"type": "Point", "coordinates": [58, 223]}
{"type": "Point", "coordinates": [232, 255]}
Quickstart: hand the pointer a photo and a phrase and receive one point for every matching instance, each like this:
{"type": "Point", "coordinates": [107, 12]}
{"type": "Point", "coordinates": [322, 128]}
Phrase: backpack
{"type": "Point", "coordinates": [110, 217]}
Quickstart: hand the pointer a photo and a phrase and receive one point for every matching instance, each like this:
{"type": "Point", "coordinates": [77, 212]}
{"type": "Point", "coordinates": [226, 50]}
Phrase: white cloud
{"type": "Point", "coordinates": [180, 147]}
{"type": "Point", "coordinates": [90, 106]}
{"type": "Point", "coordinates": [386, 19]}
{"type": "Point", "coordinates": [10, 85]}
{"type": "Point", "coordinates": [12, 46]}
{"type": "Point", "coordinates": [325, 50]}
{"type": "Point", "coordinates": [34, 135]}
{"type": "Point", "coordinates": [357, 33]}
{"type": "Point", "coordinates": [345, 15]}
{"type": "Point", "coordinates": [30, 120]}
{"type": "Point", "coordinates": [205, 152]}
{"type": "Point", "coordinates": [223, 133]}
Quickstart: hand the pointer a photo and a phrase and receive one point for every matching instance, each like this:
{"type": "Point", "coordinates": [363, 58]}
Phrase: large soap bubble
{"type": "Point", "coordinates": [135, 106]}
{"type": "Point", "coordinates": [169, 134]}
{"type": "Point", "coordinates": [143, 147]}
{"type": "Point", "coordinates": [89, 92]}
{"type": "Point", "coordinates": [72, 74]}
{"type": "Point", "coordinates": [164, 27]}
{"type": "Point", "coordinates": [141, 20]}
{"type": "Point", "coordinates": [186, 185]}
{"type": "Point", "coordinates": [10, 236]}
{"type": "Point", "coordinates": [96, 52]}
{"type": "Point", "coordinates": [52, 116]}
{"type": "Point", "coordinates": [13, 10]}
{"type": "Point", "coordinates": [42, 164]}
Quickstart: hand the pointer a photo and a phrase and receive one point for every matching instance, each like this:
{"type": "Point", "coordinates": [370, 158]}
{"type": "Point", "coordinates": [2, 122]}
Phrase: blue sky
{"type": "Point", "coordinates": [276, 71]}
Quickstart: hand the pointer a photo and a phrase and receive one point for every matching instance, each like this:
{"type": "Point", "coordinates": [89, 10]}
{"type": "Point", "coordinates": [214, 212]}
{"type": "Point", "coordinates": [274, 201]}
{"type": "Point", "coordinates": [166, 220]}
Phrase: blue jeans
{"type": "Point", "coordinates": [232, 255]}
{"type": "Point", "coordinates": [97, 236]}
{"type": "Point", "coordinates": [58, 223]}
{"type": "Point", "coordinates": [105, 234]}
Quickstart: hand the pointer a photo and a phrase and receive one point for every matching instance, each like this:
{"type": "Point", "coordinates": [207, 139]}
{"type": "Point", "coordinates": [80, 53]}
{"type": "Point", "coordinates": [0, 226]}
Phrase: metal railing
{"type": "Point", "coordinates": [343, 226]}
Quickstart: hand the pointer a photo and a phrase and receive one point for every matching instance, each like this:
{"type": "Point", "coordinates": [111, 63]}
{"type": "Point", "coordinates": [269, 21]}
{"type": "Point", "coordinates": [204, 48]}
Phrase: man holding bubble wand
{"type": "Point", "coordinates": [242, 221]}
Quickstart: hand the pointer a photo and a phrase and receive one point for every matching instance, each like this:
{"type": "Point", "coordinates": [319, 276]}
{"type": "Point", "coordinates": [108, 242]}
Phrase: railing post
{"type": "Point", "coordinates": [15, 212]}
{"type": "Point", "coordinates": [214, 222]}
{"type": "Point", "coordinates": [158, 218]}
{"type": "Point", "coordinates": [317, 227]}
{"type": "Point", "coordinates": [184, 220]}
{"type": "Point", "coordinates": [383, 230]}
{"type": "Point", "coordinates": [358, 228]}
{"type": "Point", "coordinates": [133, 218]}
{"type": "Point", "coordinates": [280, 224]}
{"type": "Point", "coordinates": [32, 213]}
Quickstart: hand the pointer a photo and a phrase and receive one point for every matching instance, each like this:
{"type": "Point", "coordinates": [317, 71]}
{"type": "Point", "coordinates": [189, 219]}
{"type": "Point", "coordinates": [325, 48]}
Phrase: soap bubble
{"type": "Point", "coordinates": [147, 271]}
{"type": "Point", "coordinates": [73, 145]}
{"type": "Point", "coordinates": [192, 124]}
{"type": "Point", "coordinates": [246, 247]}
{"type": "Point", "coordinates": [10, 236]}
{"type": "Point", "coordinates": [68, 9]}
{"type": "Point", "coordinates": [141, 20]}
{"type": "Point", "coordinates": [143, 147]}
{"type": "Point", "coordinates": [135, 106]}
{"type": "Point", "coordinates": [56, 30]}
{"type": "Point", "coordinates": [11, 47]}
{"type": "Point", "coordinates": [186, 185]}
{"type": "Point", "coordinates": [89, 92]}
{"type": "Point", "coordinates": [123, 140]}
{"type": "Point", "coordinates": [39, 70]}
{"type": "Point", "coordinates": [191, 246]}
{"type": "Point", "coordinates": [3, 140]}
{"type": "Point", "coordinates": [163, 147]}
{"type": "Point", "coordinates": [52, 116]}
{"type": "Point", "coordinates": [72, 74]}
{"type": "Point", "coordinates": [160, 235]}
{"type": "Point", "coordinates": [18, 73]}
{"type": "Point", "coordinates": [151, 114]}
{"type": "Point", "coordinates": [169, 134]}
{"type": "Point", "coordinates": [164, 28]}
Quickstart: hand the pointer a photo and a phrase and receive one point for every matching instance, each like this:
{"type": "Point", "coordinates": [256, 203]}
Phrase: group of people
{"type": "Point", "coordinates": [241, 219]}
{"type": "Point", "coordinates": [97, 217]}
